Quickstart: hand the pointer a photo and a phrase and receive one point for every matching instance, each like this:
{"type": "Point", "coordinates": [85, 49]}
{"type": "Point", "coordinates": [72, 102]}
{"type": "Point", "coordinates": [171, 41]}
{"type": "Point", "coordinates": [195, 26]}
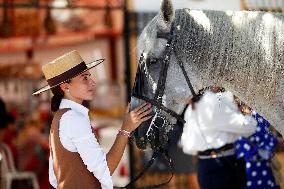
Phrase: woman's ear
{"type": "Point", "coordinates": [64, 87]}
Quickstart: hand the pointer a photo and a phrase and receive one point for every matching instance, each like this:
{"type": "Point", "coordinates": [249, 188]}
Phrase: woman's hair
{"type": "Point", "coordinates": [58, 95]}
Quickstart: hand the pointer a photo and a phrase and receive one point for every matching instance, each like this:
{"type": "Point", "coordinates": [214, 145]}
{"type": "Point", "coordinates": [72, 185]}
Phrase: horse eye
{"type": "Point", "coordinates": [152, 60]}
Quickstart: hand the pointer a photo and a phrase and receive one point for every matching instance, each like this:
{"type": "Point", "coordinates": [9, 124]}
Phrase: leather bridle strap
{"type": "Point", "coordinates": [172, 39]}
{"type": "Point", "coordinates": [168, 181]}
{"type": "Point", "coordinates": [160, 106]}
{"type": "Point", "coordinates": [165, 59]}
{"type": "Point", "coordinates": [165, 35]}
{"type": "Point", "coordinates": [147, 166]}
{"type": "Point", "coordinates": [181, 65]}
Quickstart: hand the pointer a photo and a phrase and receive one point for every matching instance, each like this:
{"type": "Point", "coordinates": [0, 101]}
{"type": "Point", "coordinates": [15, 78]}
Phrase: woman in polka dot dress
{"type": "Point", "coordinates": [257, 151]}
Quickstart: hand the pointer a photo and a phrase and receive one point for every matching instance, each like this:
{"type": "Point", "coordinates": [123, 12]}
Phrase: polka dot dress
{"type": "Point", "coordinates": [257, 151]}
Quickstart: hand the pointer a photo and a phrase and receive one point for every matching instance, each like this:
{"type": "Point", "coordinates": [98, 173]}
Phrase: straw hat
{"type": "Point", "coordinates": [65, 68]}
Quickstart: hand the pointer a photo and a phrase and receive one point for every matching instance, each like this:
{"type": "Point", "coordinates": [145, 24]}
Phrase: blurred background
{"type": "Point", "coordinates": [34, 32]}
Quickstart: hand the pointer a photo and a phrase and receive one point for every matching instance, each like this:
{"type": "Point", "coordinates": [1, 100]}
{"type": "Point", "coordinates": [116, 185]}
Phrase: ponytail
{"type": "Point", "coordinates": [58, 95]}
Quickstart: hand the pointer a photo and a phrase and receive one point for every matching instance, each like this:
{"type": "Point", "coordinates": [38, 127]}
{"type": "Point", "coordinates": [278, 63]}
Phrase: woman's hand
{"type": "Point", "coordinates": [134, 118]}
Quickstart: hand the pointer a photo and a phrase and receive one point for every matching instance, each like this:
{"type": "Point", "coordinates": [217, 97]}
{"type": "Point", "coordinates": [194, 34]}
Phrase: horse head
{"type": "Point", "coordinates": [156, 81]}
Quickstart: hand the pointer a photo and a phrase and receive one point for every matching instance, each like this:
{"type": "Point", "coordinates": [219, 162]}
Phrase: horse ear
{"type": "Point", "coordinates": [167, 12]}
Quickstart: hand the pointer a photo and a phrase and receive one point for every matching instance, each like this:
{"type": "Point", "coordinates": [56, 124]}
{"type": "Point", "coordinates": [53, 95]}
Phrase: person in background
{"type": "Point", "coordinates": [213, 124]}
{"type": "Point", "coordinates": [76, 158]}
{"type": "Point", "coordinates": [10, 134]}
{"type": "Point", "coordinates": [257, 151]}
{"type": "Point", "coordinates": [33, 147]}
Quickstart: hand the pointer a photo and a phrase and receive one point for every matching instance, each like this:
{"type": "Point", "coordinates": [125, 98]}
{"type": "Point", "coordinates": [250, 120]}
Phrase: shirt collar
{"type": "Point", "coordinates": [65, 103]}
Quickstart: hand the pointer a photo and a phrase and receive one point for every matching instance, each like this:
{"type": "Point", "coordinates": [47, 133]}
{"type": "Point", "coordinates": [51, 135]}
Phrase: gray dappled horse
{"type": "Point", "coordinates": [241, 51]}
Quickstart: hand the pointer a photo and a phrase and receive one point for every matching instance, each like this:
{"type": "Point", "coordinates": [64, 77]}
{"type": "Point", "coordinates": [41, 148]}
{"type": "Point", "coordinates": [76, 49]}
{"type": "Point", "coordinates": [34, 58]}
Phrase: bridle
{"type": "Point", "coordinates": [170, 49]}
{"type": "Point", "coordinates": [164, 60]}
{"type": "Point", "coordinates": [157, 100]}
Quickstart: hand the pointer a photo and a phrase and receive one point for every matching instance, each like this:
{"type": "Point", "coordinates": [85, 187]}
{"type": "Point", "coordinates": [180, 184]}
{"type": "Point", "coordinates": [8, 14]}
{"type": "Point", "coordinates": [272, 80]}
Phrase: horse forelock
{"type": "Point", "coordinates": [147, 38]}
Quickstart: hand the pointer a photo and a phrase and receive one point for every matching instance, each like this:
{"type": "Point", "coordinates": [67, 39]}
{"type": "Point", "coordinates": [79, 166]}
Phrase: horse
{"type": "Point", "coordinates": [183, 51]}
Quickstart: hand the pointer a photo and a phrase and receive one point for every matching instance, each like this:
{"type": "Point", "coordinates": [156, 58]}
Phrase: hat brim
{"type": "Point", "coordinates": [89, 66]}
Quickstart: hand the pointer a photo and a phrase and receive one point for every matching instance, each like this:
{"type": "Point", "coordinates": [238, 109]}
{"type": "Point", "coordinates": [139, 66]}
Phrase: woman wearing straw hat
{"type": "Point", "coordinates": [76, 158]}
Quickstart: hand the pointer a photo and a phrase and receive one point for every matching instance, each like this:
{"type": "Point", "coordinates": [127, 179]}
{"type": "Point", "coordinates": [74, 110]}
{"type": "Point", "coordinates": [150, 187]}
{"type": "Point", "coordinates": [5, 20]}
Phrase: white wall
{"type": "Point", "coordinates": [154, 5]}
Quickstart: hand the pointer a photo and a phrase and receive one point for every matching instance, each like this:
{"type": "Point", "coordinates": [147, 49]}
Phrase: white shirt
{"type": "Point", "coordinates": [76, 135]}
{"type": "Point", "coordinates": [214, 122]}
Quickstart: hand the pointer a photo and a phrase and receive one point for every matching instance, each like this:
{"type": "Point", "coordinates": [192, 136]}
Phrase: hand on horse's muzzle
{"type": "Point", "coordinates": [137, 116]}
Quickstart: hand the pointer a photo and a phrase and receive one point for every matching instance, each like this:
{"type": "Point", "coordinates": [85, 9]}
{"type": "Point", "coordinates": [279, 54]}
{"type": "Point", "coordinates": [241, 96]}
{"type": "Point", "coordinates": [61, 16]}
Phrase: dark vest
{"type": "Point", "coordinates": [70, 171]}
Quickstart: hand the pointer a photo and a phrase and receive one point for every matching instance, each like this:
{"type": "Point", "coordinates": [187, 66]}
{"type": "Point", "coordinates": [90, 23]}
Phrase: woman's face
{"type": "Point", "coordinates": [81, 88]}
